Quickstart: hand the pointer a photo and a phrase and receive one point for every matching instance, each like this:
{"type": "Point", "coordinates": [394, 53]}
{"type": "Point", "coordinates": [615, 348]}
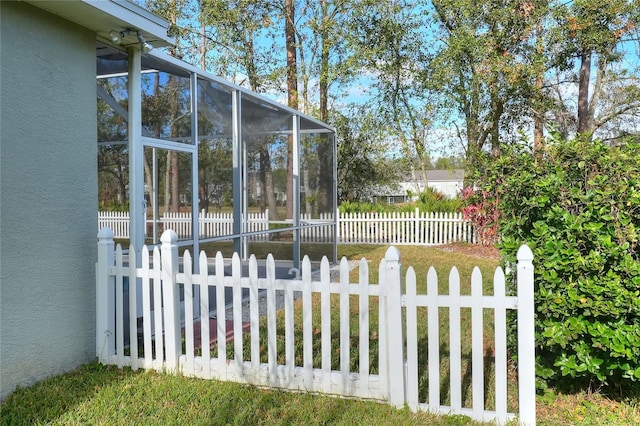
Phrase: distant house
{"type": "Point", "coordinates": [447, 182]}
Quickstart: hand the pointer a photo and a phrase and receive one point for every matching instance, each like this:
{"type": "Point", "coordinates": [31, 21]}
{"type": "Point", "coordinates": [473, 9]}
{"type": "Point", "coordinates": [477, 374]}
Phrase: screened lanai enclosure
{"type": "Point", "coordinates": [227, 169]}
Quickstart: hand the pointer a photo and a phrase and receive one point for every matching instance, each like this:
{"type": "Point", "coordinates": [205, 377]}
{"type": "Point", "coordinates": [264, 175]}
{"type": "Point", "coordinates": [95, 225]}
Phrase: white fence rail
{"type": "Point", "coordinates": [369, 228]}
{"type": "Point", "coordinates": [259, 359]}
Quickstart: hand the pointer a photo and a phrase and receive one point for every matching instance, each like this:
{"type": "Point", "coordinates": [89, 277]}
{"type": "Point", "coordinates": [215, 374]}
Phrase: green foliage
{"type": "Point", "coordinates": [592, 35]}
{"type": "Point", "coordinates": [113, 206]}
{"type": "Point", "coordinates": [362, 165]}
{"type": "Point", "coordinates": [428, 201]}
{"type": "Point", "coordinates": [364, 207]}
{"type": "Point", "coordinates": [576, 204]}
{"type": "Point", "coordinates": [391, 39]}
{"type": "Point", "coordinates": [449, 163]}
{"type": "Point", "coordinates": [484, 68]}
{"type": "Point", "coordinates": [433, 201]}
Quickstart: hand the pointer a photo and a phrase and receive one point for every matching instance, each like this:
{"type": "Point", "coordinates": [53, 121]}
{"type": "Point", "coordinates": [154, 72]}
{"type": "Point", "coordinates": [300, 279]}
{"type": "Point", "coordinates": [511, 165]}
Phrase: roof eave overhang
{"type": "Point", "coordinates": [103, 16]}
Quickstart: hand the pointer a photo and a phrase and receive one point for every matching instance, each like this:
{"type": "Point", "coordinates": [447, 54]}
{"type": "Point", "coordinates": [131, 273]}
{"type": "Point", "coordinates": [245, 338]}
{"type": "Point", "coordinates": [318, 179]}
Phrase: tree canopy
{"type": "Point", "coordinates": [447, 77]}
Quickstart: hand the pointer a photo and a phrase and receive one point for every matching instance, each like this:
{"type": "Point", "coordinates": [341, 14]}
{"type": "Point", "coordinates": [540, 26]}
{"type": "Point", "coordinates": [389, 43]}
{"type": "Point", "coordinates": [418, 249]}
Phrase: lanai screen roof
{"type": "Point", "coordinates": [266, 115]}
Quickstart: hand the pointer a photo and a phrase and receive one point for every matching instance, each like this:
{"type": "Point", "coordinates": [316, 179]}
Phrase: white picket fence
{"type": "Point", "coordinates": [415, 227]}
{"type": "Point", "coordinates": [118, 222]}
{"type": "Point", "coordinates": [300, 367]}
{"type": "Point", "coordinates": [371, 228]}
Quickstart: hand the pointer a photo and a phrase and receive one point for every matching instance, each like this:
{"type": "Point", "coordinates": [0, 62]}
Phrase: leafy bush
{"type": "Point", "coordinates": [480, 207]}
{"type": "Point", "coordinates": [433, 201]}
{"type": "Point", "coordinates": [577, 205]}
{"type": "Point", "coordinates": [363, 207]}
{"type": "Point", "coordinates": [113, 206]}
{"type": "Point", "coordinates": [428, 201]}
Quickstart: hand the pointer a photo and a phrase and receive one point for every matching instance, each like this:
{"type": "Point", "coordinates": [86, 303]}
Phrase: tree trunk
{"type": "Point", "coordinates": [292, 93]}
{"type": "Point", "coordinates": [268, 199]}
{"type": "Point", "coordinates": [583, 93]}
{"type": "Point", "coordinates": [202, 192]}
{"type": "Point", "coordinates": [324, 62]}
{"type": "Point", "coordinates": [324, 201]}
{"type": "Point", "coordinates": [307, 190]}
{"type": "Point", "coordinates": [175, 182]}
{"type": "Point", "coordinates": [203, 40]}
{"type": "Point", "coordinates": [539, 112]}
{"type": "Point", "coordinates": [538, 119]}
{"type": "Point", "coordinates": [148, 178]}
{"type": "Point", "coordinates": [497, 107]}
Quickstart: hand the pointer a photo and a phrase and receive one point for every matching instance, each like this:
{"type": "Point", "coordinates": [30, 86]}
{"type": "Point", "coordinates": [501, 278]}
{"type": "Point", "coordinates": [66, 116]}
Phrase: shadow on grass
{"type": "Point", "coordinates": [358, 251]}
{"type": "Point", "coordinates": [51, 398]}
{"type": "Point", "coordinates": [625, 390]}
{"type": "Point", "coordinates": [466, 378]}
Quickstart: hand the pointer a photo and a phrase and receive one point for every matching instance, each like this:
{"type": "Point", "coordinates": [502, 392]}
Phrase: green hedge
{"type": "Point", "coordinates": [428, 201]}
{"type": "Point", "coordinates": [577, 205]}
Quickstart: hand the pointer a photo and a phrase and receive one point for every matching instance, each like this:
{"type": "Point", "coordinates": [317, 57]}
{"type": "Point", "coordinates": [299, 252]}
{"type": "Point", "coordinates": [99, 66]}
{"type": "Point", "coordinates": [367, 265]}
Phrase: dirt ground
{"type": "Point", "coordinates": [477, 250]}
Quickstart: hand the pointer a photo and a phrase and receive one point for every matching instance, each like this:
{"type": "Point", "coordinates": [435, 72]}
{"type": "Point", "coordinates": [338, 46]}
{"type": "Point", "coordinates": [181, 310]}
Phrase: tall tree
{"type": "Point", "coordinates": [392, 36]}
{"type": "Point", "coordinates": [240, 31]}
{"type": "Point", "coordinates": [590, 36]}
{"type": "Point", "coordinates": [173, 11]}
{"type": "Point", "coordinates": [484, 67]}
{"type": "Point", "coordinates": [324, 54]}
{"type": "Point", "coordinates": [325, 43]}
{"type": "Point", "coordinates": [242, 36]}
{"type": "Point", "coordinates": [538, 104]}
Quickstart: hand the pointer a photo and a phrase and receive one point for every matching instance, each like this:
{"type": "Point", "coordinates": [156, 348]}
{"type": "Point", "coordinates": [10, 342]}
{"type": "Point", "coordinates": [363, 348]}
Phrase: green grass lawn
{"type": "Point", "coordinates": [96, 394]}
{"type": "Point", "coordinates": [101, 395]}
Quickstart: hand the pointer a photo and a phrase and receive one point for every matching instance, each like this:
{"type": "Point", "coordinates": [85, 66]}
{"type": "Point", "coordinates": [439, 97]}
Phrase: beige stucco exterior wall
{"type": "Point", "coordinates": [48, 195]}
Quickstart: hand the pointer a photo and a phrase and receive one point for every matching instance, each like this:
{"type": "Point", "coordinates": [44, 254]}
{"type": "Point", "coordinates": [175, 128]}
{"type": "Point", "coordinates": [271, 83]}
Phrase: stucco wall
{"type": "Point", "coordinates": [47, 196]}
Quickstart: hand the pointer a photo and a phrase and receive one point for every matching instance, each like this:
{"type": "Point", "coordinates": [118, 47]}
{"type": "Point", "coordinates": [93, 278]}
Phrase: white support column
{"type": "Point", "coordinates": [153, 192]}
{"type": "Point", "coordinates": [336, 234]}
{"type": "Point", "coordinates": [136, 153]}
{"type": "Point", "coordinates": [195, 188]}
{"type": "Point", "coordinates": [238, 189]}
{"type": "Point", "coordinates": [245, 201]}
{"type": "Point", "coordinates": [296, 191]}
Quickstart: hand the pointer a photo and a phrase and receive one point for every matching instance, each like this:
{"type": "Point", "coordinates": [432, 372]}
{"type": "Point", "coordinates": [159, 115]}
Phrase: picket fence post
{"type": "Point", "coordinates": [526, 338]}
{"type": "Point", "coordinates": [394, 332]}
{"type": "Point", "coordinates": [105, 298]}
{"type": "Point", "coordinates": [171, 296]}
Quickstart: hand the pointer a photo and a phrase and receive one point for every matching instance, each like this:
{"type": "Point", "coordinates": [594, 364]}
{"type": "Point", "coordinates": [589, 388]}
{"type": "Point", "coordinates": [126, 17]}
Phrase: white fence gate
{"type": "Point", "coordinates": [365, 228]}
{"type": "Point", "coordinates": [159, 346]}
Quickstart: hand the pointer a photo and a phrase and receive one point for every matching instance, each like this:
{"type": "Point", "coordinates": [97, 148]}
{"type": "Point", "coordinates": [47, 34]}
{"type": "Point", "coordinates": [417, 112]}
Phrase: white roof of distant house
{"type": "Point", "coordinates": [437, 175]}
{"type": "Point", "coordinates": [448, 182]}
